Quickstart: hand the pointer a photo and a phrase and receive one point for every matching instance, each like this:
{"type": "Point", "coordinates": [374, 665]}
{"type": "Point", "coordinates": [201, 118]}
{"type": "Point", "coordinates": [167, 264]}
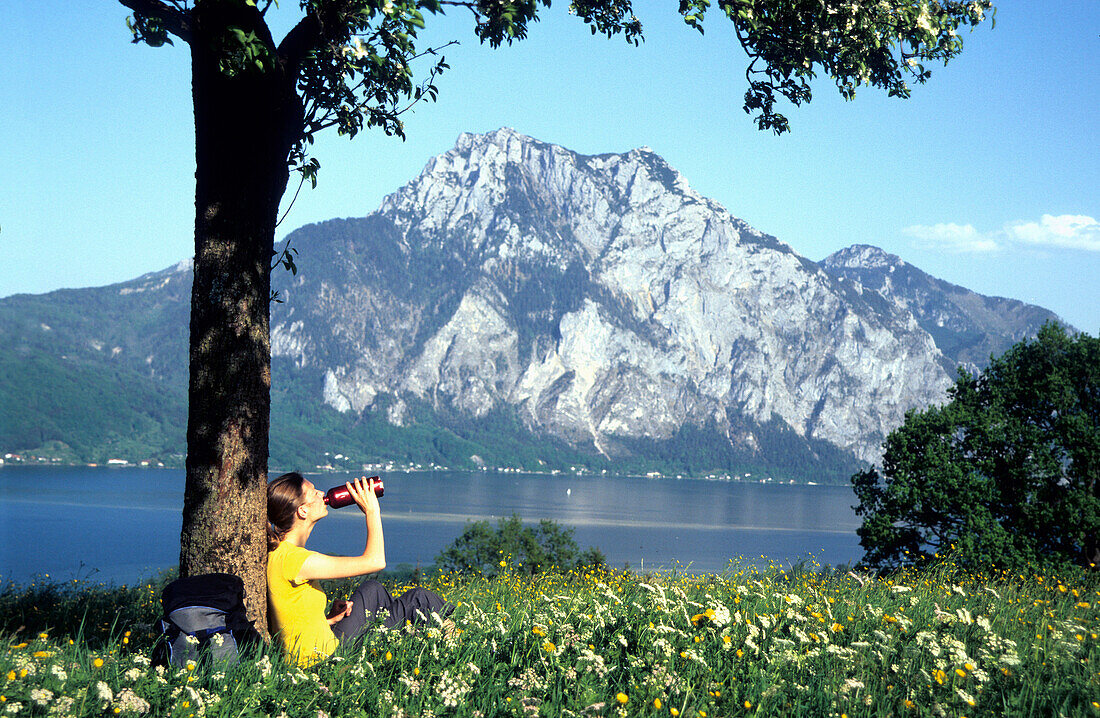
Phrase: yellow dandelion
{"type": "Point", "coordinates": [657, 703]}
{"type": "Point", "coordinates": [416, 671]}
{"type": "Point", "coordinates": [968, 666]}
{"type": "Point", "coordinates": [389, 656]}
{"type": "Point", "coordinates": [673, 711]}
{"type": "Point", "coordinates": [910, 704]}
{"type": "Point", "coordinates": [748, 704]}
{"type": "Point", "coordinates": [43, 635]}
{"type": "Point", "coordinates": [548, 647]}
{"type": "Point", "coordinates": [683, 654]}
{"type": "Point", "coordinates": [20, 645]}
{"type": "Point", "coordinates": [702, 714]}
{"type": "Point", "coordinates": [98, 663]}
{"type": "Point", "coordinates": [939, 675]}
{"type": "Point", "coordinates": [1084, 604]}
{"type": "Point", "coordinates": [740, 653]}
{"type": "Point", "coordinates": [22, 672]}
{"type": "Point", "coordinates": [960, 673]}
{"type": "Point", "coordinates": [621, 698]}
{"type": "Point", "coordinates": [41, 654]}
{"type": "Point", "coordinates": [727, 640]}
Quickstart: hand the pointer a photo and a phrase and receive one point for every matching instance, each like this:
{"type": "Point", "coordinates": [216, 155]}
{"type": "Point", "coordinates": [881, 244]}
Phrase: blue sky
{"type": "Point", "coordinates": [988, 177]}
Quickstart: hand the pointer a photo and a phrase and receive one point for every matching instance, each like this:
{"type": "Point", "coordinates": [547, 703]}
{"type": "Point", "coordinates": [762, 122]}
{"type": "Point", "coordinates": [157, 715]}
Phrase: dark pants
{"type": "Point", "coordinates": [415, 605]}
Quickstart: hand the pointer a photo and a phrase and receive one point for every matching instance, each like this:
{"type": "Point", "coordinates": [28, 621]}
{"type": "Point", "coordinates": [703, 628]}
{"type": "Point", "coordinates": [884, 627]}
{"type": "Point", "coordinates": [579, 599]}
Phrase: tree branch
{"type": "Point", "coordinates": [174, 20]}
{"type": "Point", "coordinates": [310, 32]}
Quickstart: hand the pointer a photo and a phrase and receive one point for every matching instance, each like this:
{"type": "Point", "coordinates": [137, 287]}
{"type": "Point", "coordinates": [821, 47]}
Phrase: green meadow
{"type": "Point", "coordinates": [807, 641]}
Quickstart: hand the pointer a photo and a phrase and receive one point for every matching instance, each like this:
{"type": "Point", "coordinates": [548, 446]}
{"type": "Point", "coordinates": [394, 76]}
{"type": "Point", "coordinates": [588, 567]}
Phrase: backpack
{"type": "Point", "coordinates": [204, 615]}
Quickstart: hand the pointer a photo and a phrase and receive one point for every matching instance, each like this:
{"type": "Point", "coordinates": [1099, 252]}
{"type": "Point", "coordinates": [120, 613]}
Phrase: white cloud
{"type": "Point", "coordinates": [1073, 231]}
{"type": "Point", "coordinates": [1069, 231]}
{"type": "Point", "coordinates": [953, 237]}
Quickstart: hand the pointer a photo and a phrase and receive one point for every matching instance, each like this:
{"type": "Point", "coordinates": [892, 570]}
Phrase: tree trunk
{"type": "Point", "coordinates": [244, 128]}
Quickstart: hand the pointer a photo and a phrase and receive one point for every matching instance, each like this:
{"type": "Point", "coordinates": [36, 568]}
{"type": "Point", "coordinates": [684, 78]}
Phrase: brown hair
{"type": "Point", "coordinates": [284, 496]}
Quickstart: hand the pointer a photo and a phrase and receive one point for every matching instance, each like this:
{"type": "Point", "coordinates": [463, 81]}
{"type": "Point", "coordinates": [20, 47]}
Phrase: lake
{"type": "Point", "coordinates": [122, 524]}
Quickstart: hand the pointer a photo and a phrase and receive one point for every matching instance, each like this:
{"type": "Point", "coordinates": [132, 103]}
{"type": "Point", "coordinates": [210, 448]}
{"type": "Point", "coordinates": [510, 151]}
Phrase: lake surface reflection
{"type": "Point", "coordinates": [122, 524]}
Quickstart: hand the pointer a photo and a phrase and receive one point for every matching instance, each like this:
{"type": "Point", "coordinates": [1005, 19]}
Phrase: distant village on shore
{"type": "Point", "coordinates": [341, 463]}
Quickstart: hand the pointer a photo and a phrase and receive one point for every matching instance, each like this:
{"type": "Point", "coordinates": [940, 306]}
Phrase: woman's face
{"type": "Point", "coordinates": [313, 501]}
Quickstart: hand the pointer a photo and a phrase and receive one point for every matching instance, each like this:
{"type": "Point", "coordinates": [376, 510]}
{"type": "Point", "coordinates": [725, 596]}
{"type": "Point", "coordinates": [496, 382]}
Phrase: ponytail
{"type": "Point", "coordinates": [284, 496]}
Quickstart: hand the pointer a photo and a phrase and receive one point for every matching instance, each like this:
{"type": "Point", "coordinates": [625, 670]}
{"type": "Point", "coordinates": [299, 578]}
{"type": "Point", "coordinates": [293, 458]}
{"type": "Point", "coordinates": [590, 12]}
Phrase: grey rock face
{"type": "Point", "coordinates": [967, 327]}
{"type": "Point", "coordinates": [602, 299]}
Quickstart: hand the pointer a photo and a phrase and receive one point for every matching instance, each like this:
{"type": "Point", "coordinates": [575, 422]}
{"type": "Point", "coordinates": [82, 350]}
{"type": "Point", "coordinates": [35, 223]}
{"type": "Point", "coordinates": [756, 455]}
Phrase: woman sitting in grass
{"type": "Point", "coordinates": [296, 603]}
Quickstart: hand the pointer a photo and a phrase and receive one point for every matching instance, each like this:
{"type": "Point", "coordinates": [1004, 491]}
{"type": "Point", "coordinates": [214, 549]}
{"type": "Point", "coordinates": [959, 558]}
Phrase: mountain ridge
{"type": "Point", "coordinates": [571, 308]}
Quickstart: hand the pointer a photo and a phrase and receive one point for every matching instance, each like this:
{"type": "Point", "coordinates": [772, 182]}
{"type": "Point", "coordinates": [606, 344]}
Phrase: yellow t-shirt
{"type": "Point", "coordinates": [297, 608]}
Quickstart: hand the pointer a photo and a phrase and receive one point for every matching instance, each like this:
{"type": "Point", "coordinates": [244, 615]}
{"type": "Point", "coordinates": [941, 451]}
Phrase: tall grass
{"type": "Point", "coordinates": [938, 641]}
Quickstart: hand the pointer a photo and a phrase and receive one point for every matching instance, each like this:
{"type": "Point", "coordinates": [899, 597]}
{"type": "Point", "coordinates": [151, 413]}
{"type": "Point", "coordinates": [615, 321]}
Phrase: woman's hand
{"type": "Point", "coordinates": [340, 609]}
{"type": "Point", "coordinates": [362, 491]}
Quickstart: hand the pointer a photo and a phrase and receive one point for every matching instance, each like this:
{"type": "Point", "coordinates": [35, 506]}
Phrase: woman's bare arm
{"type": "Point", "coordinates": [373, 558]}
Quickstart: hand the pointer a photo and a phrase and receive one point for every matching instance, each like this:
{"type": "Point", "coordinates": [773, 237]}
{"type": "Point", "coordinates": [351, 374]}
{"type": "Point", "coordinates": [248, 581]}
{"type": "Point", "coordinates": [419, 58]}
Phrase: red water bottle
{"type": "Point", "coordinates": [338, 496]}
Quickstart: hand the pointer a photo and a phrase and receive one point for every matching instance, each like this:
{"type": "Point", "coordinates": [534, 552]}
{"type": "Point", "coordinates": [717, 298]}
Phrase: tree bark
{"type": "Point", "coordinates": [245, 124]}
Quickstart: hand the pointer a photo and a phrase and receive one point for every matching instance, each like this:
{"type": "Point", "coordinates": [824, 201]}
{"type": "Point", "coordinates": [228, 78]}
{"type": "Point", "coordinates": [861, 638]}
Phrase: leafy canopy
{"type": "Point", "coordinates": [1007, 473]}
{"type": "Point", "coordinates": [526, 549]}
{"type": "Point", "coordinates": [351, 60]}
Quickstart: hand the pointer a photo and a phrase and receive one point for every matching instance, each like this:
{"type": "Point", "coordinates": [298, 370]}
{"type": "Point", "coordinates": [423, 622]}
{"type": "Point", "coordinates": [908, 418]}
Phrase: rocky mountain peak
{"type": "Point", "coordinates": [606, 303]}
{"type": "Point", "coordinates": [967, 327]}
{"type": "Point", "coordinates": [864, 256]}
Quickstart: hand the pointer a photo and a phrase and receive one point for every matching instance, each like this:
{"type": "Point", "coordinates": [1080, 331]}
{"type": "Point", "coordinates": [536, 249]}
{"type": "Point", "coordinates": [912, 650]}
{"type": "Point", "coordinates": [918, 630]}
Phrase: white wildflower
{"type": "Point", "coordinates": [851, 684]}
{"type": "Point", "coordinates": [103, 691]}
{"type": "Point", "coordinates": [966, 697]}
{"type": "Point", "coordinates": [130, 702]}
{"type": "Point", "coordinates": [59, 673]}
{"type": "Point", "coordinates": [41, 696]}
